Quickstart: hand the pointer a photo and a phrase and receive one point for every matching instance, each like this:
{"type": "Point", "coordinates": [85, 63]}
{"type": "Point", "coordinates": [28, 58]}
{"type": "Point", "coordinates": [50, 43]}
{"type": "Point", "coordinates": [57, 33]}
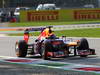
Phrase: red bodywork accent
{"type": "Point", "coordinates": [50, 54]}
{"type": "Point", "coordinates": [84, 53]}
{"type": "Point", "coordinates": [56, 43]}
{"type": "Point", "coordinates": [55, 54]}
{"type": "Point", "coordinates": [26, 37]}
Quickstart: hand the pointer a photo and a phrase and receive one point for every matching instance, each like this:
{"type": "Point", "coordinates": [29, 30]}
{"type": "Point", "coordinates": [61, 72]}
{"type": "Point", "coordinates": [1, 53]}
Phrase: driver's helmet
{"type": "Point", "coordinates": [49, 27]}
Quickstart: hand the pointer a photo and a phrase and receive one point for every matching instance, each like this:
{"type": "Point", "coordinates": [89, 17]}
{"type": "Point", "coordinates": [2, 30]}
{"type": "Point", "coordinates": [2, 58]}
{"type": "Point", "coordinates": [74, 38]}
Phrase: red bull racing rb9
{"type": "Point", "coordinates": [48, 46]}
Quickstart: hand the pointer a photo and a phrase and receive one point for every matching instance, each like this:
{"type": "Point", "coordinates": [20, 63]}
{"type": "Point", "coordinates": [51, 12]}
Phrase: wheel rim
{"type": "Point", "coordinates": [17, 48]}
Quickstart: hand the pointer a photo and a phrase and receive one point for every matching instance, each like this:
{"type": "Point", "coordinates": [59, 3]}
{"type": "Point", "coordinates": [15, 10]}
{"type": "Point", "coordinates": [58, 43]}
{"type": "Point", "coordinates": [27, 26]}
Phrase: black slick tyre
{"type": "Point", "coordinates": [47, 48]}
{"type": "Point", "coordinates": [21, 48]}
{"type": "Point", "coordinates": [83, 55]}
{"type": "Point", "coordinates": [83, 45]}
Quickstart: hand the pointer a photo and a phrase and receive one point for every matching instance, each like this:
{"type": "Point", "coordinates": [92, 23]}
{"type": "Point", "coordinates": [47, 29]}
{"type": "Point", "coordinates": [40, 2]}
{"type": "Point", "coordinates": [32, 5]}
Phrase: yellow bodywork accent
{"type": "Point", "coordinates": [72, 44]}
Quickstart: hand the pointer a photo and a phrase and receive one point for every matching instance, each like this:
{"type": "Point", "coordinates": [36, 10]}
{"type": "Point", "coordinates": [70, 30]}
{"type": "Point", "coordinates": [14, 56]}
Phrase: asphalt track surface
{"type": "Point", "coordinates": [7, 48]}
{"type": "Point", "coordinates": [11, 69]}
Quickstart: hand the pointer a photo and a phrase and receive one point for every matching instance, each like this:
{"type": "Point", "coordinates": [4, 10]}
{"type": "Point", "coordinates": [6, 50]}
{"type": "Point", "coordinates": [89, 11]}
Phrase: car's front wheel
{"type": "Point", "coordinates": [45, 49]}
{"type": "Point", "coordinates": [83, 47]}
{"type": "Point", "coordinates": [83, 44]}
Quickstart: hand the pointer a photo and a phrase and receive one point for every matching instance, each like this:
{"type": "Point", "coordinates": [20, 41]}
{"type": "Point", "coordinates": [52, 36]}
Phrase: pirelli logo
{"type": "Point", "coordinates": [86, 14]}
{"type": "Point", "coordinates": [42, 15]}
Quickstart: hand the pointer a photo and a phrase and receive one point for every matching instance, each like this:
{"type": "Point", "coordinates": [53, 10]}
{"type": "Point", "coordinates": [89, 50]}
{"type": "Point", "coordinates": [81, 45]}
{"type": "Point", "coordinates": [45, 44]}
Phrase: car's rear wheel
{"type": "Point", "coordinates": [21, 48]}
{"type": "Point", "coordinates": [83, 45]}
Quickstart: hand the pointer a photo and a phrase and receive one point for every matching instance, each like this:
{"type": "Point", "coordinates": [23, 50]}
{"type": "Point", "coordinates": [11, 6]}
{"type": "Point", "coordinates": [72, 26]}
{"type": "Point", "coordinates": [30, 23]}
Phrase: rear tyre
{"type": "Point", "coordinates": [21, 48]}
{"type": "Point", "coordinates": [83, 45]}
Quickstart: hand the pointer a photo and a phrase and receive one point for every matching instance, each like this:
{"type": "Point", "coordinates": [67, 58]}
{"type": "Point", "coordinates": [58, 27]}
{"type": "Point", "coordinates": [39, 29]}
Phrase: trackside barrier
{"type": "Point", "coordinates": [60, 15]}
{"type": "Point", "coordinates": [78, 26]}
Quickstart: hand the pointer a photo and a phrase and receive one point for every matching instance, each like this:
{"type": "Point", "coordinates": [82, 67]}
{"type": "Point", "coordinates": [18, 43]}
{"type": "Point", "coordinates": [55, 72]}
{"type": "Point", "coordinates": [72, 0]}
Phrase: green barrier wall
{"type": "Point", "coordinates": [60, 15]}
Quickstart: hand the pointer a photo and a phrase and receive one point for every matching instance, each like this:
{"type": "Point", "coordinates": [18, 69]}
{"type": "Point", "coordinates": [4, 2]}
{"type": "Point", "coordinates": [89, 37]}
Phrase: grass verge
{"type": "Point", "coordinates": [41, 23]}
{"type": "Point", "coordinates": [92, 32]}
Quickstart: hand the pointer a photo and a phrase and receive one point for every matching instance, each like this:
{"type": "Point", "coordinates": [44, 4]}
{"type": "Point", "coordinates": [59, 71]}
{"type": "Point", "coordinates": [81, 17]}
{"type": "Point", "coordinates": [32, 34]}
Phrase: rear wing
{"type": "Point", "coordinates": [12, 30]}
{"type": "Point", "coordinates": [27, 30]}
{"type": "Point", "coordinates": [37, 28]}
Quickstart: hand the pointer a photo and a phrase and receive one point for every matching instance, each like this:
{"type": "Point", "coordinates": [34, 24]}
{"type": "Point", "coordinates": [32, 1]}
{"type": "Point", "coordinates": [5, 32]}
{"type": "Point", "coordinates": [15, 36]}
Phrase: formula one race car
{"type": "Point", "coordinates": [52, 46]}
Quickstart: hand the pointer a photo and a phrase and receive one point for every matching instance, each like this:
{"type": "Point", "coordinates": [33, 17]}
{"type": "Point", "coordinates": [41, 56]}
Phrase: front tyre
{"type": "Point", "coordinates": [21, 48]}
{"type": "Point", "coordinates": [46, 49]}
{"type": "Point", "coordinates": [83, 55]}
{"type": "Point", "coordinates": [83, 46]}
